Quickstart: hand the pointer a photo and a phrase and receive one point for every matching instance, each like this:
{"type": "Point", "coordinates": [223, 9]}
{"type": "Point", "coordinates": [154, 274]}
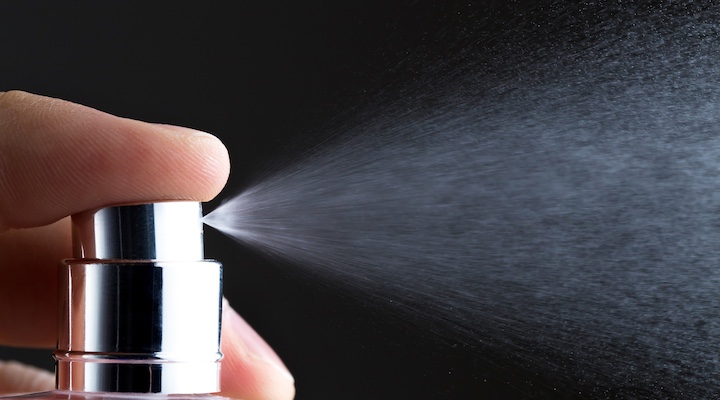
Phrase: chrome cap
{"type": "Point", "coordinates": [159, 231]}
{"type": "Point", "coordinates": [140, 312]}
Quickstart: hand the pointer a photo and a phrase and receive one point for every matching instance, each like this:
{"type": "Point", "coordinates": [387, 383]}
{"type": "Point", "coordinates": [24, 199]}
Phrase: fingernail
{"type": "Point", "coordinates": [257, 349]}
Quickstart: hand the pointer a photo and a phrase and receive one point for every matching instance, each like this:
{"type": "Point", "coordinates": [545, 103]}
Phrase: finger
{"type": "Point", "coordinates": [19, 378]}
{"type": "Point", "coordinates": [58, 158]}
{"type": "Point", "coordinates": [250, 368]}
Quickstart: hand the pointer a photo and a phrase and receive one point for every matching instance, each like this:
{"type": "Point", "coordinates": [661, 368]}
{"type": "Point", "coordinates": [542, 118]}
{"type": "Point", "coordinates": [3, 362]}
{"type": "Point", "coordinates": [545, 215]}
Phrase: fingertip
{"type": "Point", "coordinates": [213, 166]}
{"type": "Point", "coordinates": [250, 368]}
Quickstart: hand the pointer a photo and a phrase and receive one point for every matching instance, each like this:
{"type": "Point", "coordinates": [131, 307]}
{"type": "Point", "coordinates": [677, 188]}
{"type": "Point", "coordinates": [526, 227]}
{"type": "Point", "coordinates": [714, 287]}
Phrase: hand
{"type": "Point", "coordinates": [59, 158]}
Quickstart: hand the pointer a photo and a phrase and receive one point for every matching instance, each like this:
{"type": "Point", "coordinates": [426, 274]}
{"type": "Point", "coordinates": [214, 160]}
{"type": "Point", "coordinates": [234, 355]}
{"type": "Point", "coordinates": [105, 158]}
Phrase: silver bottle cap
{"type": "Point", "coordinates": [139, 308]}
{"type": "Point", "coordinates": [159, 231]}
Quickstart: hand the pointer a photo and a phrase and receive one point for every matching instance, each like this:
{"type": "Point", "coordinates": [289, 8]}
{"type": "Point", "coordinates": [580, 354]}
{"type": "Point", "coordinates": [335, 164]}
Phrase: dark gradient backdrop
{"type": "Point", "coordinates": [270, 78]}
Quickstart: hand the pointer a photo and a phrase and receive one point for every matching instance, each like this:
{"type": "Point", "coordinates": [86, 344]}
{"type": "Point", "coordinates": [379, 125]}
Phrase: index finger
{"type": "Point", "coordinates": [59, 158]}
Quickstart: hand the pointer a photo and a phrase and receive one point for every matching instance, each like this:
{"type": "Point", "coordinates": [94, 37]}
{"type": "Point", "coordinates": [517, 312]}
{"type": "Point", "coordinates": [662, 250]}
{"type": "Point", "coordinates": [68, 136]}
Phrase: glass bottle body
{"type": "Point", "coordinates": [73, 395]}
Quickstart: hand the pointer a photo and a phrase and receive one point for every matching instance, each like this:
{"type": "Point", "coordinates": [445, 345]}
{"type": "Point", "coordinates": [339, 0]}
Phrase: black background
{"type": "Point", "coordinates": [272, 79]}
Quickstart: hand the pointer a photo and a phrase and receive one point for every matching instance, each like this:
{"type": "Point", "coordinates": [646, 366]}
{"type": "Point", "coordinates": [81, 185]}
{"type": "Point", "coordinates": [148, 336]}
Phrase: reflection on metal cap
{"type": "Point", "coordinates": [159, 231]}
{"type": "Point", "coordinates": [139, 310]}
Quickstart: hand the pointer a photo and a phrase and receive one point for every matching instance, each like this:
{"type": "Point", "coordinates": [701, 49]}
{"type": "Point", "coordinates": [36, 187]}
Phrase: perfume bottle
{"type": "Point", "coordinates": [139, 308]}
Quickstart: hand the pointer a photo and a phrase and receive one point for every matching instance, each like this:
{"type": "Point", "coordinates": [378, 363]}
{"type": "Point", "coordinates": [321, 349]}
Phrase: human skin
{"type": "Point", "coordinates": [57, 159]}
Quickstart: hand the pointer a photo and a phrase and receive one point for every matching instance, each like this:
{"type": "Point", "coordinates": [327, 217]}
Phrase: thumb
{"type": "Point", "coordinates": [250, 368]}
{"type": "Point", "coordinates": [19, 378]}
